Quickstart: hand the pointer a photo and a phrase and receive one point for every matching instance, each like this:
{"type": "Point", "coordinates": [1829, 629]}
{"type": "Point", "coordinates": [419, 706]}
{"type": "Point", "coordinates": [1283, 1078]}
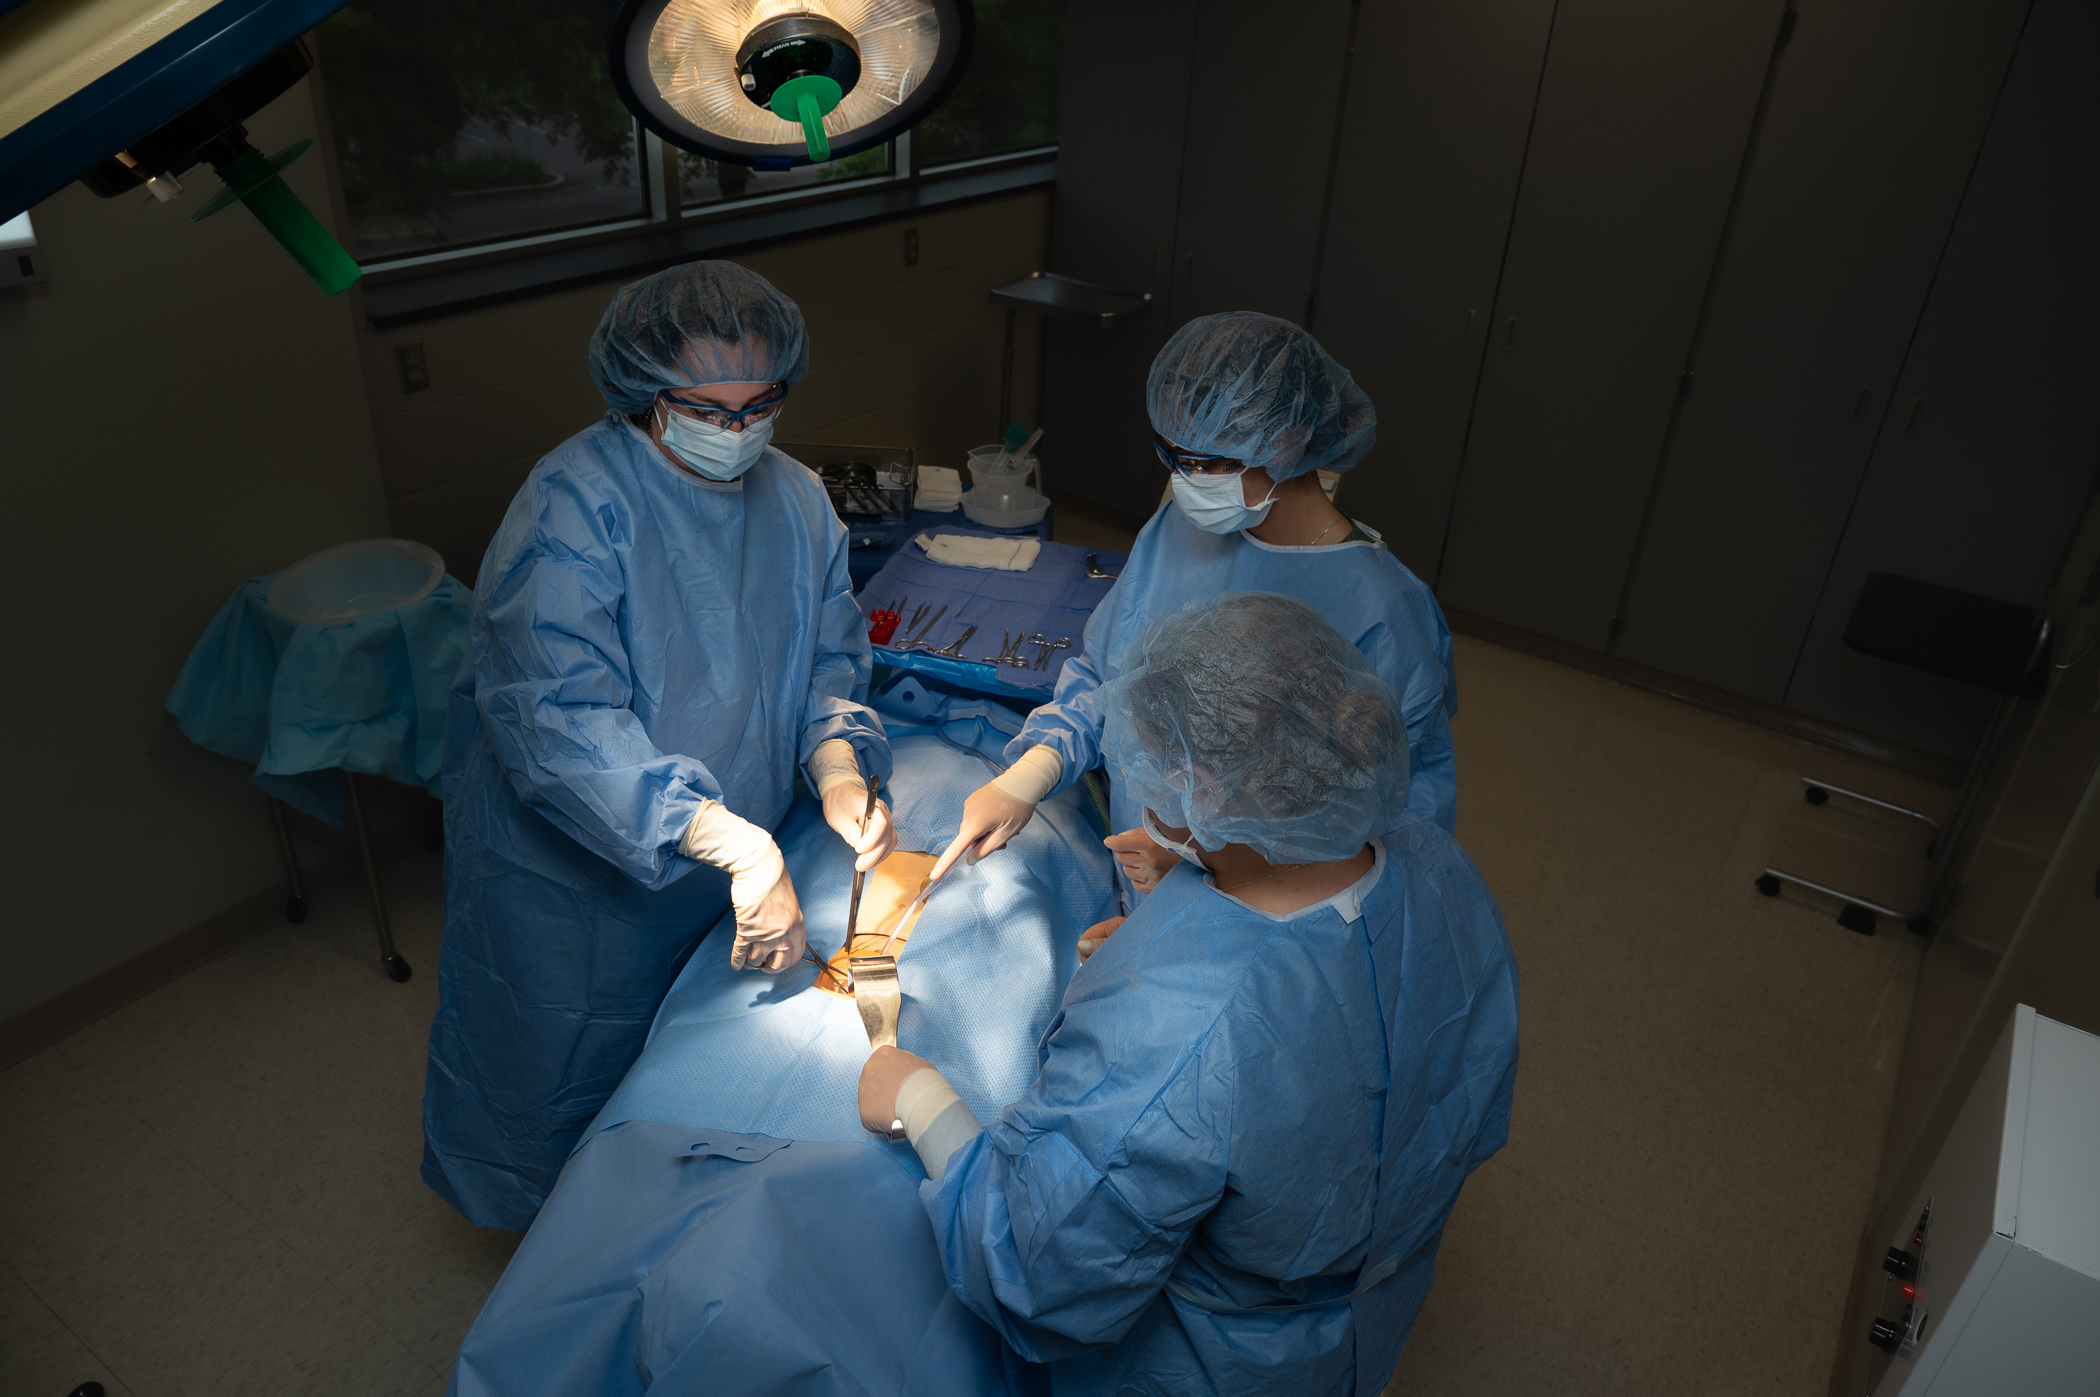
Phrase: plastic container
{"type": "Point", "coordinates": [1001, 494]}
{"type": "Point", "coordinates": [341, 583]}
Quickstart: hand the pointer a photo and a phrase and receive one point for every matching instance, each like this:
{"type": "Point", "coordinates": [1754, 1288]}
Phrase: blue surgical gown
{"type": "Point", "coordinates": [640, 640]}
{"type": "Point", "coordinates": [1361, 588]}
{"type": "Point", "coordinates": [1249, 1109]}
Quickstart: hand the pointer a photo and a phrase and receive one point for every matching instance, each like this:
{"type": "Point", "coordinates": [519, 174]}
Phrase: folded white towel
{"type": "Point", "coordinates": [966, 551]}
{"type": "Point", "coordinates": [940, 489]}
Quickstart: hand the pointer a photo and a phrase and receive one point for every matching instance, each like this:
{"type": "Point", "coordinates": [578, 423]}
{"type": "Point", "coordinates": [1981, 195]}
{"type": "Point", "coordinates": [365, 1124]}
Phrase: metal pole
{"type": "Point", "coordinates": [295, 899]}
{"type": "Point", "coordinates": [388, 956]}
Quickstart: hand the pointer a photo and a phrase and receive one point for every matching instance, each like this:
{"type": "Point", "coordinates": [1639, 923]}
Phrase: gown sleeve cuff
{"type": "Point", "coordinates": [835, 764]}
{"type": "Point", "coordinates": [935, 1119]}
{"type": "Point", "coordinates": [1034, 776]}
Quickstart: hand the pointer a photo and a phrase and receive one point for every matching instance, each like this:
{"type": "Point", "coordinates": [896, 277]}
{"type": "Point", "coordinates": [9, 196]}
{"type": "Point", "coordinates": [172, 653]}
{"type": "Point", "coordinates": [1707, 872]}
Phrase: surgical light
{"type": "Point", "coordinates": [777, 83]}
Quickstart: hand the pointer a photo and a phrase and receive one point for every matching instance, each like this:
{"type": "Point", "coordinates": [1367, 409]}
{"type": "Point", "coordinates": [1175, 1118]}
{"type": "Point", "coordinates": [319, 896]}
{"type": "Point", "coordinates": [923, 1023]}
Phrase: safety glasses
{"type": "Point", "coordinates": [1194, 463]}
{"type": "Point", "coordinates": [724, 418]}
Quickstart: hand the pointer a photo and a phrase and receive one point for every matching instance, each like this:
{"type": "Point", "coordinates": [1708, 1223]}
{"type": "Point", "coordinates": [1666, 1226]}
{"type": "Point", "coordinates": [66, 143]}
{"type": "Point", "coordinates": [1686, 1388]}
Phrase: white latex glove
{"type": "Point", "coordinates": [844, 791]}
{"type": "Point", "coordinates": [998, 810]}
{"type": "Point", "coordinates": [769, 932]}
{"type": "Point", "coordinates": [1143, 860]}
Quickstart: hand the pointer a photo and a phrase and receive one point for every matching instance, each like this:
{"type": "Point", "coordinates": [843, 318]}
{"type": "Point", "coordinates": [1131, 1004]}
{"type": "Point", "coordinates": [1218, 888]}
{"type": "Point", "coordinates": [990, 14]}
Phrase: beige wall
{"type": "Point", "coordinates": [899, 356]}
{"type": "Point", "coordinates": [182, 408]}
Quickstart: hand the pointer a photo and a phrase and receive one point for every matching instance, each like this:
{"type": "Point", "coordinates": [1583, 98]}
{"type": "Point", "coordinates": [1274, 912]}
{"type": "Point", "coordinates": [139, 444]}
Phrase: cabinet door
{"type": "Point", "coordinates": [1440, 101]}
{"type": "Point", "coordinates": [1124, 107]}
{"type": "Point", "coordinates": [1876, 112]}
{"type": "Point", "coordinates": [1263, 101]}
{"type": "Point", "coordinates": [1642, 119]}
{"type": "Point", "coordinates": [1989, 450]}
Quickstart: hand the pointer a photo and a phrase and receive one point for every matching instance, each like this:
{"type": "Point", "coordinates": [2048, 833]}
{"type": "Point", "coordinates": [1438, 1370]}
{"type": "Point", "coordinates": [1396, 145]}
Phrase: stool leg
{"type": "Point", "coordinates": [388, 956]}
{"type": "Point", "coordinates": [295, 896]}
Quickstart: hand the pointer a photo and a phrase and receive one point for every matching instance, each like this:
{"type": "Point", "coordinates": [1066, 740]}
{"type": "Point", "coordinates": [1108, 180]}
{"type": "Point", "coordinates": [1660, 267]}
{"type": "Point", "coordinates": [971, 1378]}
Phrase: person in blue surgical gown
{"type": "Point", "coordinates": [663, 636]}
{"type": "Point", "coordinates": [1245, 409]}
{"type": "Point", "coordinates": [1265, 1087]}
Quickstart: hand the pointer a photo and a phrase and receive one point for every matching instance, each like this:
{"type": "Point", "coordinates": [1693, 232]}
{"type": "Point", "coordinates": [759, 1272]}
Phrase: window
{"type": "Point", "coordinates": [465, 121]}
{"type": "Point", "coordinates": [702, 181]}
{"type": "Point", "coordinates": [459, 124]}
{"type": "Point", "coordinates": [1007, 99]}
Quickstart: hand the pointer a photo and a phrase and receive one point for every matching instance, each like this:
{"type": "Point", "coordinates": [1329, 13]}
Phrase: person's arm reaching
{"type": "Point", "coordinates": [843, 745]}
{"type": "Point", "coordinates": [554, 689]}
{"type": "Point", "coordinates": [1057, 744]}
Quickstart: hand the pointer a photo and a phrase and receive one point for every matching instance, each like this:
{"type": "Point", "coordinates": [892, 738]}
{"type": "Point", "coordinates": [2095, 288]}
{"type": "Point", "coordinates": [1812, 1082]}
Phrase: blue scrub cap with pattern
{"type": "Point", "coordinates": [700, 323]}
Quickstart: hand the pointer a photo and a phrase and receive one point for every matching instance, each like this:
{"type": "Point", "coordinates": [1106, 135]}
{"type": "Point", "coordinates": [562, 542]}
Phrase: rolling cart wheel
{"type": "Point", "coordinates": [1816, 795]}
{"type": "Point", "coordinates": [1768, 885]}
{"type": "Point", "coordinates": [87, 1389]}
{"type": "Point", "coordinates": [1857, 918]}
{"type": "Point", "coordinates": [295, 909]}
{"type": "Point", "coordinates": [397, 968]}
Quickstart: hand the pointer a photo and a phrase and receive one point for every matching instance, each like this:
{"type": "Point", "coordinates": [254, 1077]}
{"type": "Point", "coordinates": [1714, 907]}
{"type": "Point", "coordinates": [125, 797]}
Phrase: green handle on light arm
{"type": "Point", "coordinates": [808, 100]}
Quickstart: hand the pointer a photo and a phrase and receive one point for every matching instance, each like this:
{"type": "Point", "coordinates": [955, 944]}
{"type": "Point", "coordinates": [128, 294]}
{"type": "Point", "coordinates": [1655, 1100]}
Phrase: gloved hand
{"type": "Point", "coordinates": [769, 932]}
{"type": "Point", "coordinates": [997, 811]}
{"type": "Point", "coordinates": [1090, 940]}
{"type": "Point", "coordinates": [1143, 861]}
{"type": "Point", "coordinates": [835, 769]}
{"type": "Point", "coordinates": [843, 807]}
{"type": "Point", "coordinates": [884, 1073]}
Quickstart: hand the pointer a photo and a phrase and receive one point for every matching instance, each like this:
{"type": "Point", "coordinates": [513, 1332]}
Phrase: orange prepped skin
{"type": "Point", "coordinates": [890, 887]}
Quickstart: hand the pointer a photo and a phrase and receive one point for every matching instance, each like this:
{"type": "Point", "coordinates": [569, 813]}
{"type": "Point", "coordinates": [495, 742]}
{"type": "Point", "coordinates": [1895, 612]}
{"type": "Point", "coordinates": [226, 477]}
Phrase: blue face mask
{"type": "Point", "coordinates": [715, 452]}
{"type": "Point", "coordinates": [1216, 504]}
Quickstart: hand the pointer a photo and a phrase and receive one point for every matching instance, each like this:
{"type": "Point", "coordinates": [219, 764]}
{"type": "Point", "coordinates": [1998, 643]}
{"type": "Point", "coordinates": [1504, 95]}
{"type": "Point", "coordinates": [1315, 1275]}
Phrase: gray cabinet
{"type": "Point", "coordinates": [1440, 103]}
{"type": "Point", "coordinates": [1185, 170]}
{"type": "Point", "coordinates": [1990, 449]}
{"type": "Point", "coordinates": [1124, 111]}
{"type": "Point", "coordinates": [1640, 131]}
{"type": "Point", "coordinates": [1875, 116]}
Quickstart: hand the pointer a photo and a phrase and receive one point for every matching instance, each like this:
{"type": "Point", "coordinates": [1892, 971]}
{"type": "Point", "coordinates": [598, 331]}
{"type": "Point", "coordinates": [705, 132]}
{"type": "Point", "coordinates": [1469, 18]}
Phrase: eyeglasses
{"type": "Point", "coordinates": [1194, 463]}
{"type": "Point", "coordinates": [724, 418]}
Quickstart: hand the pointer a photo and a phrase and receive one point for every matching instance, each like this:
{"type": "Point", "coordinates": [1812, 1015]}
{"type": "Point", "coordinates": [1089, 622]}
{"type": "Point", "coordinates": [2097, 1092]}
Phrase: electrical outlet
{"type": "Point", "coordinates": [415, 373]}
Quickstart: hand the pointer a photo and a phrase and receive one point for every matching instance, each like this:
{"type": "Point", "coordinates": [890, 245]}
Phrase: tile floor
{"type": "Point", "coordinates": [215, 1191]}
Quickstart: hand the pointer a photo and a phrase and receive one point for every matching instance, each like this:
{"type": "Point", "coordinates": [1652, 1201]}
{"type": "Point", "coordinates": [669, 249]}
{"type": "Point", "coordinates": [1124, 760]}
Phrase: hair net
{"type": "Point", "coordinates": [703, 322]}
{"type": "Point", "coordinates": [1261, 390]}
{"type": "Point", "coordinates": [1248, 719]}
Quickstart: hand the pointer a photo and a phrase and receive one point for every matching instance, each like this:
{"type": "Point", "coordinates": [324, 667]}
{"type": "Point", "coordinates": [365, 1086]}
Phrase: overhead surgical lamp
{"type": "Point", "coordinates": [127, 97]}
{"type": "Point", "coordinates": [778, 83]}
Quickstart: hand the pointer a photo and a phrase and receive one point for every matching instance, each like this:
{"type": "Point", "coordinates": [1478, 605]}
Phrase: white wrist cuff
{"type": "Point", "coordinates": [935, 1119]}
{"type": "Point", "coordinates": [835, 764]}
{"type": "Point", "coordinates": [1033, 777]}
{"type": "Point", "coordinates": [739, 848]}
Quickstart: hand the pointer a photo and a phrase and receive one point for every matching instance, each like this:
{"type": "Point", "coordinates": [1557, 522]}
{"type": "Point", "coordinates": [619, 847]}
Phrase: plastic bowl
{"type": "Point", "coordinates": [986, 468]}
{"type": "Point", "coordinates": [341, 583]}
{"type": "Point", "coordinates": [1016, 510]}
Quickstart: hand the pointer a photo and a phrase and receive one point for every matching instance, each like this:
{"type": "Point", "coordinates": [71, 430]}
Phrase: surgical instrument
{"type": "Point", "coordinates": [859, 875]}
{"type": "Point", "coordinates": [953, 649]}
{"type": "Point", "coordinates": [919, 636]}
{"type": "Point", "coordinates": [880, 1000]}
{"type": "Point", "coordinates": [1095, 572]}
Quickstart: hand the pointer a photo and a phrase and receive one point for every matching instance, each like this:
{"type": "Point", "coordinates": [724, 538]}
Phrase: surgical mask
{"type": "Point", "coordinates": [1160, 837]}
{"type": "Point", "coordinates": [715, 452]}
{"type": "Point", "coordinates": [1216, 504]}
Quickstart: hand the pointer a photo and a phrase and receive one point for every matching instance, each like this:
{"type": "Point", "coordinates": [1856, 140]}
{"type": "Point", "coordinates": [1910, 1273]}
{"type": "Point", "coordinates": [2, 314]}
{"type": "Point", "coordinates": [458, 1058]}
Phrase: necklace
{"type": "Point", "coordinates": [1264, 877]}
{"type": "Point", "coordinates": [1322, 534]}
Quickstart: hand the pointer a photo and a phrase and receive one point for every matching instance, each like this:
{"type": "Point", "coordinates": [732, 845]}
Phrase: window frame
{"type": "Point", "coordinates": [658, 167]}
